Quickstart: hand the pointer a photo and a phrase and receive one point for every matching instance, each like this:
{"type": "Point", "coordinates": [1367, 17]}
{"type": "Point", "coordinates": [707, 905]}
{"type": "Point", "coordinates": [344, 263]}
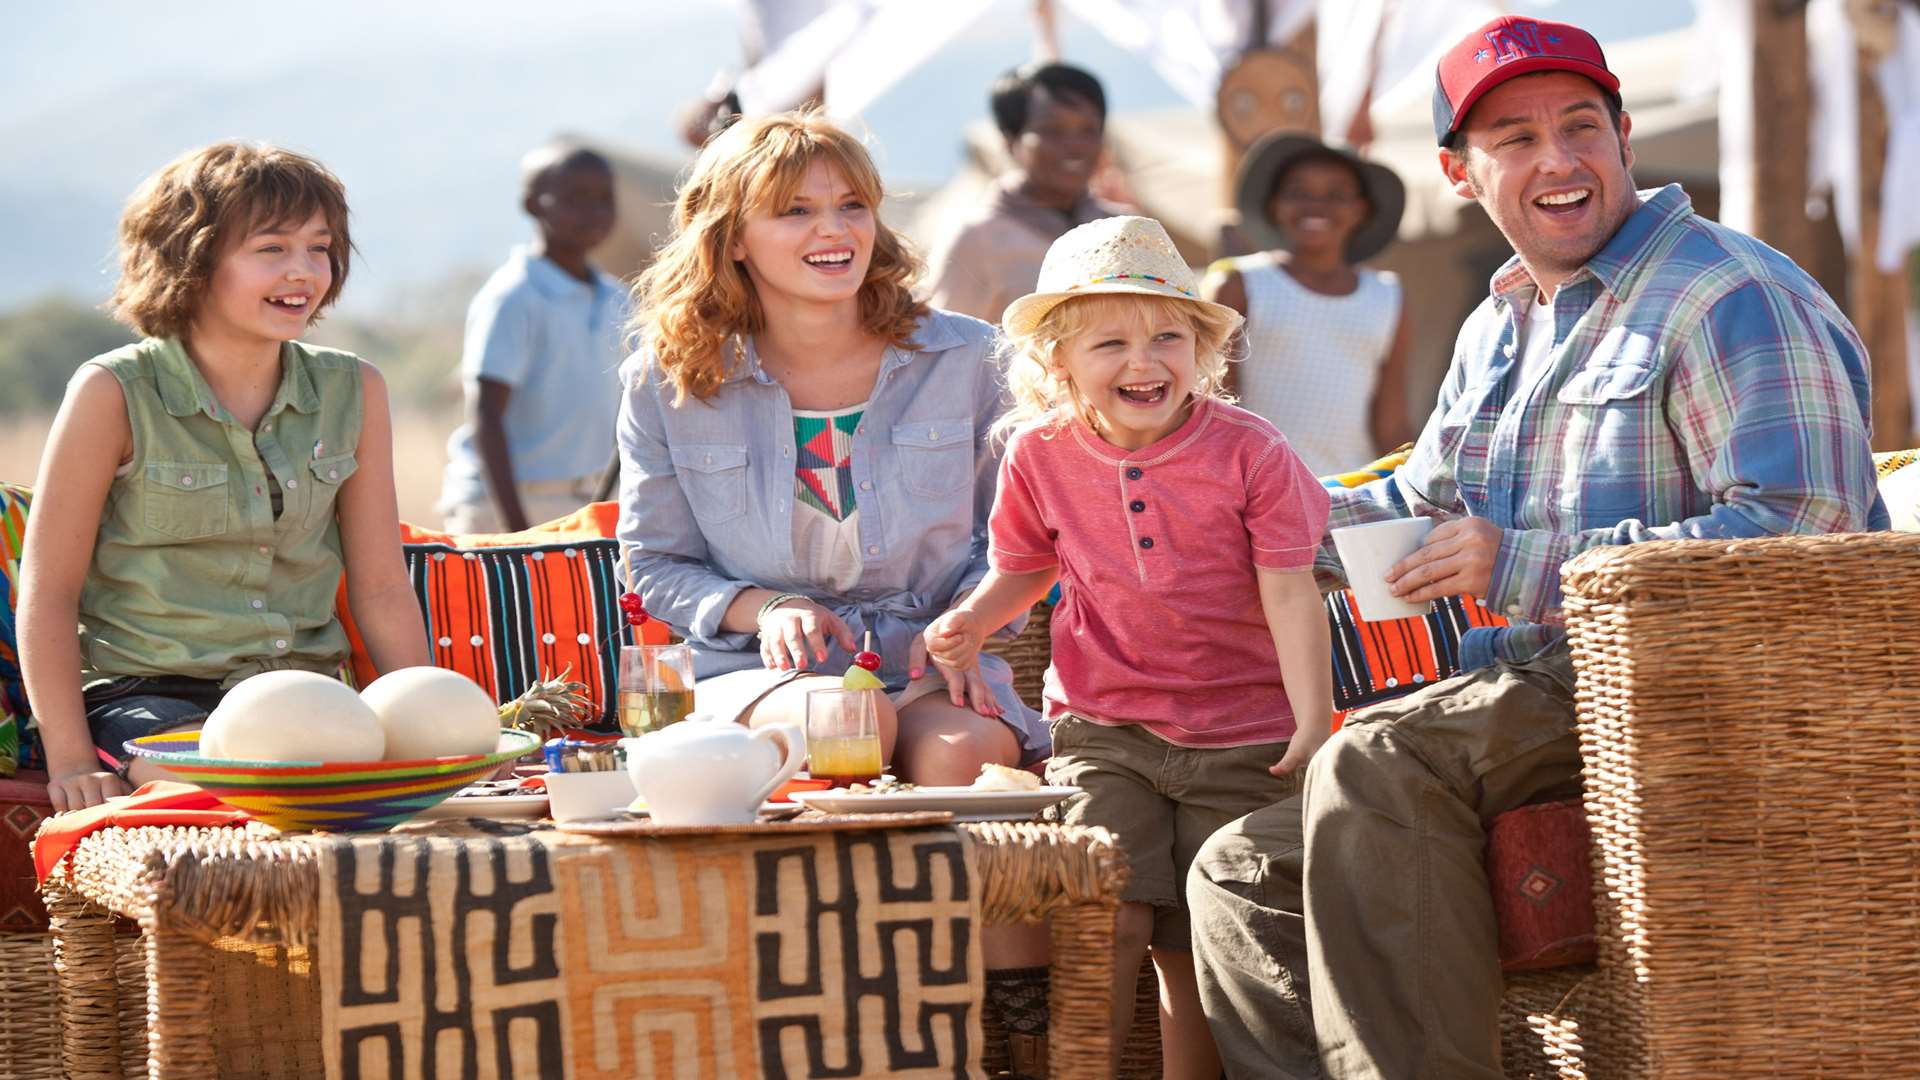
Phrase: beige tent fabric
{"type": "Point", "coordinates": [1171, 158]}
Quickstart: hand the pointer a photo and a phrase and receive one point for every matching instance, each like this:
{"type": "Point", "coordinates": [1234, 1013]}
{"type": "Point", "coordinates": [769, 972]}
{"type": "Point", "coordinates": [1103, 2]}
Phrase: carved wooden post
{"type": "Point", "coordinates": [1266, 90]}
{"type": "Point", "coordinates": [1879, 298]}
{"type": "Point", "coordinates": [1781, 106]}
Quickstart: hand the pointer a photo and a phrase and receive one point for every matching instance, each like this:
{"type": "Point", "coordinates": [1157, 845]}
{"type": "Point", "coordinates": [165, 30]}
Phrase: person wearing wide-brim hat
{"type": "Point", "coordinates": [1326, 338]}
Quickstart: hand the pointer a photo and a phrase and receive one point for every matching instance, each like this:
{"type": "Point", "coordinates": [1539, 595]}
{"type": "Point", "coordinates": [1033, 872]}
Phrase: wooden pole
{"type": "Point", "coordinates": [1879, 298]}
{"type": "Point", "coordinates": [1781, 105]}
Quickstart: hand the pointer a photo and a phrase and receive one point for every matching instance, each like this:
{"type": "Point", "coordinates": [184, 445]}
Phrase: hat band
{"type": "Point", "coordinates": [1103, 278]}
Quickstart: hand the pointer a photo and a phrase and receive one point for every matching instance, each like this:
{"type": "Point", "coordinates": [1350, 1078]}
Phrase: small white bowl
{"type": "Point", "coordinates": [583, 796]}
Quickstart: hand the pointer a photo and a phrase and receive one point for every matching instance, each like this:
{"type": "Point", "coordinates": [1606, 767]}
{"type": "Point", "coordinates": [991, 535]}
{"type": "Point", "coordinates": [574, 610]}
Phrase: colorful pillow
{"type": "Point", "coordinates": [1375, 661]}
{"type": "Point", "coordinates": [14, 500]}
{"type": "Point", "coordinates": [1900, 487]}
{"type": "Point", "coordinates": [1540, 873]}
{"type": "Point", "coordinates": [26, 804]}
{"type": "Point", "coordinates": [1372, 470]}
{"type": "Point", "coordinates": [506, 609]}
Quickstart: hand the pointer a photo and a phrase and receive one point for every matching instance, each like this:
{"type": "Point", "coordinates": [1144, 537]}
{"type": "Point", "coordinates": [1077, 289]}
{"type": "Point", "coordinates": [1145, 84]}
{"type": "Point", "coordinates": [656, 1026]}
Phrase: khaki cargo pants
{"type": "Point", "coordinates": [1385, 964]}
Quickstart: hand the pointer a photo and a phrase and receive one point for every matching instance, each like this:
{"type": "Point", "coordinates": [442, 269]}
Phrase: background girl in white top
{"type": "Point", "coordinates": [1326, 352]}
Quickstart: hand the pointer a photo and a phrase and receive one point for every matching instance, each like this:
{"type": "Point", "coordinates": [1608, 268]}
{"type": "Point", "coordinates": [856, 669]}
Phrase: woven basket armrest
{"type": "Point", "coordinates": [1030, 871]}
{"type": "Point", "coordinates": [1747, 728]}
{"type": "Point", "coordinates": [251, 883]}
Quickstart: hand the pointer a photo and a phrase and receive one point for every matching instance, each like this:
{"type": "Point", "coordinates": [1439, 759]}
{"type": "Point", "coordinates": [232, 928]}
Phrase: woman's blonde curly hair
{"type": "Point", "coordinates": [1037, 380]}
{"type": "Point", "coordinates": [694, 299]}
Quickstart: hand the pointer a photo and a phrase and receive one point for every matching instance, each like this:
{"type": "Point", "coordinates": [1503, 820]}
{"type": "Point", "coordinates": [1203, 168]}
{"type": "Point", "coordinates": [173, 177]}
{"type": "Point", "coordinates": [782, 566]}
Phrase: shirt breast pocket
{"type": "Point", "coordinates": [714, 479]}
{"type": "Point", "coordinates": [185, 500]}
{"type": "Point", "coordinates": [936, 456]}
{"type": "Point", "coordinates": [1599, 386]}
{"type": "Point", "coordinates": [1613, 422]}
{"type": "Point", "coordinates": [328, 474]}
{"type": "Point", "coordinates": [1466, 436]}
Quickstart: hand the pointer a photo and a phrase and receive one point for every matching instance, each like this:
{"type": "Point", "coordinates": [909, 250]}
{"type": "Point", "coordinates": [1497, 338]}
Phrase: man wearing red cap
{"type": "Point", "coordinates": [1637, 373]}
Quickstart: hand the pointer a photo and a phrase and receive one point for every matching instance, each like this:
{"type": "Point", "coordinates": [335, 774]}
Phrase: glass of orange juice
{"type": "Point", "coordinates": [656, 686]}
{"type": "Point", "coordinates": [843, 736]}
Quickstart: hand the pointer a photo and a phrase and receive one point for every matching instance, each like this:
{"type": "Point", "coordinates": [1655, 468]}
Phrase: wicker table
{"type": "Point", "coordinates": [228, 914]}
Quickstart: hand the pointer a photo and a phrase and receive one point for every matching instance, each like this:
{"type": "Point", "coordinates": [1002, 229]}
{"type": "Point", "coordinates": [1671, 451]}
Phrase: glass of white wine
{"type": "Point", "coordinates": [656, 686]}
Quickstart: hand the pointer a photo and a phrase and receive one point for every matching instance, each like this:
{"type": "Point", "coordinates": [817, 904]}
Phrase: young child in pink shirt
{"type": "Point", "coordinates": [1191, 679]}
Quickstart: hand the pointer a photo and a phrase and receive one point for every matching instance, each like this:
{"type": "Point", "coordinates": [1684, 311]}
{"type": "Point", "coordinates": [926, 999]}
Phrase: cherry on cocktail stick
{"type": "Point", "coordinates": [866, 657]}
{"type": "Point", "coordinates": [632, 607]}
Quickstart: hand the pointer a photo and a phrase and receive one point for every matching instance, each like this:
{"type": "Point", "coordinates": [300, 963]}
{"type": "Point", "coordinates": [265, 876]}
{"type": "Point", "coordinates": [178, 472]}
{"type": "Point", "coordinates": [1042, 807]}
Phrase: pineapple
{"type": "Point", "coordinates": [549, 705]}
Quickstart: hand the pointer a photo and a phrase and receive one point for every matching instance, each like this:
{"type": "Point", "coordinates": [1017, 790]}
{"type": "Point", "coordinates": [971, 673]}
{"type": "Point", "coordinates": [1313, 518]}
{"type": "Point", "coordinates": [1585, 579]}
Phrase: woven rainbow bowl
{"type": "Point", "coordinates": [341, 796]}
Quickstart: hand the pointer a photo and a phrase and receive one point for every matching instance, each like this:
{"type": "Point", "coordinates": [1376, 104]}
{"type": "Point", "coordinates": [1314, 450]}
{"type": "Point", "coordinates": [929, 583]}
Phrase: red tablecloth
{"type": "Point", "coordinates": [159, 802]}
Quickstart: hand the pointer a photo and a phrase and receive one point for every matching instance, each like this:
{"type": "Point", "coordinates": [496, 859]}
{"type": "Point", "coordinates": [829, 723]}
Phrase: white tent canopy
{"type": "Point", "coordinates": [1172, 158]}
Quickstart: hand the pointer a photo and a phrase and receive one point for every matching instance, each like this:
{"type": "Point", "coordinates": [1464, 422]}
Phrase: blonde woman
{"type": "Point", "coordinates": [805, 454]}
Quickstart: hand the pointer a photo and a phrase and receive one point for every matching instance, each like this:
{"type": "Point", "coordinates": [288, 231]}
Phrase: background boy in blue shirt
{"type": "Point", "coordinates": [543, 345]}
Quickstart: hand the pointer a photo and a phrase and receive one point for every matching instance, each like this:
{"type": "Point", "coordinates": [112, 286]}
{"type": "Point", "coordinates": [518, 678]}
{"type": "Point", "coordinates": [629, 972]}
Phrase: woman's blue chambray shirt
{"type": "Point", "coordinates": [707, 501]}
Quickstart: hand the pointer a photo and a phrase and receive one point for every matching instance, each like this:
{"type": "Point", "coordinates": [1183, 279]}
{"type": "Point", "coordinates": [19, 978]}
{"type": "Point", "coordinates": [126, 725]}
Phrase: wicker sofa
{"type": "Point", "coordinates": [1750, 720]}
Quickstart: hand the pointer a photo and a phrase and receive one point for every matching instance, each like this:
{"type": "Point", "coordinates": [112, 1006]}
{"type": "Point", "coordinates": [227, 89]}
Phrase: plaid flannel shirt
{"type": "Point", "coordinates": [1700, 386]}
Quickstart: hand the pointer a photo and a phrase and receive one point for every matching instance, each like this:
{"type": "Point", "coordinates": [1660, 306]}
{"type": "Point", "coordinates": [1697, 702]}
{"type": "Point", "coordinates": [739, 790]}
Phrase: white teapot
{"type": "Point", "coordinates": [703, 771]}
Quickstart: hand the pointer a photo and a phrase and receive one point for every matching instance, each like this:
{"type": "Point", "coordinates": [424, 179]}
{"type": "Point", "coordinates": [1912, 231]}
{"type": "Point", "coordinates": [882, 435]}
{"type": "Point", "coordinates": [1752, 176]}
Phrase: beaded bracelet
{"type": "Point", "coordinates": [775, 601]}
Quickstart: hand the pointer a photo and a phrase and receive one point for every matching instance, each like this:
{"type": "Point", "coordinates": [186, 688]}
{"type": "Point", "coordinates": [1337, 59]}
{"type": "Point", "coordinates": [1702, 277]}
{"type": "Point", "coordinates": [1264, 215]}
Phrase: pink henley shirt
{"type": "Point", "coordinates": [1159, 622]}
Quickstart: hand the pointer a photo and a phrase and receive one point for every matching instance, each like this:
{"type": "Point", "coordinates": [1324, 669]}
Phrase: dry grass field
{"type": "Point", "coordinates": [419, 454]}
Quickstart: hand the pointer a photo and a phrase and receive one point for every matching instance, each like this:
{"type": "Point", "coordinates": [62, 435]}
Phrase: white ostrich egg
{"type": "Point", "coordinates": [431, 712]}
{"type": "Point", "coordinates": [292, 716]}
{"type": "Point", "coordinates": [209, 746]}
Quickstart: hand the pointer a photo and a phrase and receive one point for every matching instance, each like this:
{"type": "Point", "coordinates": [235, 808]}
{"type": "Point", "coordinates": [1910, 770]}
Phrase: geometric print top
{"type": "Point", "coordinates": [826, 537]}
{"type": "Point", "coordinates": [824, 472]}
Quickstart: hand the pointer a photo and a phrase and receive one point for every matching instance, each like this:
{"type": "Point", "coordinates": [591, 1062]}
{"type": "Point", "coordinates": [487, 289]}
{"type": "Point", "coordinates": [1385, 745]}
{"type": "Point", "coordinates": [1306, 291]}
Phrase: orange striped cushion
{"type": "Point", "coordinates": [1374, 661]}
{"type": "Point", "coordinates": [1380, 660]}
{"type": "Point", "coordinates": [510, 608]}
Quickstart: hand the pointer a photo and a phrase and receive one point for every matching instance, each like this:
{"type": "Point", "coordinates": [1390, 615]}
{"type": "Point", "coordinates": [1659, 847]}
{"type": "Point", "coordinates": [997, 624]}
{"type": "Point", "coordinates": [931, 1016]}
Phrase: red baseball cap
{"type": "Point", "coordinates": [1509, 46]}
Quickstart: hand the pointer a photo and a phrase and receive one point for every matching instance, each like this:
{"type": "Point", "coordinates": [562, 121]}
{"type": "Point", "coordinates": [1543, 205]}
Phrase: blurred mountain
{"type": "Point", "coordinates": [428, 151]}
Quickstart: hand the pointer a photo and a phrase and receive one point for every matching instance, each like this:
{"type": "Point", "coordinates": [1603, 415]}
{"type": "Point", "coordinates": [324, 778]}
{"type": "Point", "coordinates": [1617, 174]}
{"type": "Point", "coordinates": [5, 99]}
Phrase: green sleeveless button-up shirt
{"type": "Point", "coordinates": [192, 574]}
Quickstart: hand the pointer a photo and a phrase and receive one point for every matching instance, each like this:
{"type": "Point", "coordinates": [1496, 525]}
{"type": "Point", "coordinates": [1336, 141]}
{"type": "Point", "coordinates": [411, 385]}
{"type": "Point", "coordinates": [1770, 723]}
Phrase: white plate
{"type": "Point", "coordinates": [462, 804]}
{"type": "Point", "coordinates": [769, 810]}
{"type": "Point", "coordinates": [964, 803]}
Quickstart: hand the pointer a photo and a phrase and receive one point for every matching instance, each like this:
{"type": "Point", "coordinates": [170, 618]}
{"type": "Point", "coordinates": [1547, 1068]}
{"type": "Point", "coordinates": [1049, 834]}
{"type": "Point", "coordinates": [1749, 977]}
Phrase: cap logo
{"type": "Point", "coordinates": [1516, 40]}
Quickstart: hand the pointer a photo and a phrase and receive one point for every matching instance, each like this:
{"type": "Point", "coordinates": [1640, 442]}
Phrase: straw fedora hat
{"type": "Point", "coordinates": [1270, 158]}
{"type": "Point", "coordinates": [1123, 255]}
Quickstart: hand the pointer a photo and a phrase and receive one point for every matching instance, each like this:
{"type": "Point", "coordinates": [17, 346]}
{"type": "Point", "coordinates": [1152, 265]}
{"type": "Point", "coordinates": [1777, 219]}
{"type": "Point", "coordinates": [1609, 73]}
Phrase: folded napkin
{"type": "Point", "coordinates": [157, 802]}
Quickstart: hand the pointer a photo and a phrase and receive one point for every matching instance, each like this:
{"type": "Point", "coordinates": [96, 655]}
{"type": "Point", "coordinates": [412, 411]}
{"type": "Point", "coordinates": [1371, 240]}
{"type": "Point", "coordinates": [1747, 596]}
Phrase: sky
{"type": "Point", "coordinates": [424, 109]}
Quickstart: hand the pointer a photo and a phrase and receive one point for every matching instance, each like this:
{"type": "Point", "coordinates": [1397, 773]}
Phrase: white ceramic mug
{"type": "Point", "coordinates": [1368, 552]}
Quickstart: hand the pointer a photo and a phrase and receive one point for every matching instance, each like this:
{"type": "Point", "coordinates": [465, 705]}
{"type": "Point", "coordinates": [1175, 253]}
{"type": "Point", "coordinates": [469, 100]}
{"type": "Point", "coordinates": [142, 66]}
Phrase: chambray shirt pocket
{"type": "Point", "coordinates": [714, 476]}
{"type": "Point", "coordinates": [935, 456]}
{"type": "Point", "coordinates": [185, 500]}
